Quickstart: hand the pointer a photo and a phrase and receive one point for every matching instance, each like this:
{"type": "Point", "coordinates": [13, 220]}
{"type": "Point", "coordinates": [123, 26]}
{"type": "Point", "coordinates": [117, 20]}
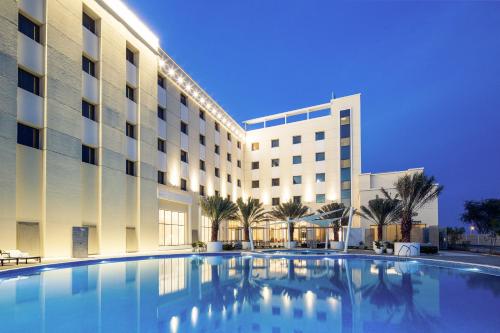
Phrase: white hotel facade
{"type": "Point", "coordinates": [100, 128]}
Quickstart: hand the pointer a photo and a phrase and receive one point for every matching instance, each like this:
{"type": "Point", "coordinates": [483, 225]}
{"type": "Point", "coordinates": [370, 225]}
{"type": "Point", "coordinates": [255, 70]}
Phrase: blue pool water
{"type": "Point", "coordinates": [250, 294]}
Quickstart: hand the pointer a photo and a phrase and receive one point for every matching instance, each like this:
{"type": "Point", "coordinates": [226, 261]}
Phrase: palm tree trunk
{"type": "Point", "coordinates": [336, 229]}
{"type": "Point", "coordinates": [247, 233]}
{"type": "Point", "coordinates": [292, 229]}
{"type": "Point", "coordinates": [215, 232]}
{"type": "Point", "coordinates": [406, 228]}
{"type": "Point", "coordinates": [380, 232]}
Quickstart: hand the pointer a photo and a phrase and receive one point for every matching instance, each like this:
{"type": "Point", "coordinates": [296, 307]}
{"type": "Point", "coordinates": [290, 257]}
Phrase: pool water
{"type": "Point", "coordinates": [250, 294]}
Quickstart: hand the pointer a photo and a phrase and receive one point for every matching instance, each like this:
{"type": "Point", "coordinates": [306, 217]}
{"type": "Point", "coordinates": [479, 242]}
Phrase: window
{"type": "Point", "coordinates": [28, 136]}
{"type": "Point", "coordinates": [161, 145]}
{"type": "Point", "coordinates": [161, 177]}
{"type": "Point", "coordinates": [238, 144]}
{"type": "Point", "coordinates": [184, 127]}
{"type": "Point", "coordinates": [130, 56]}
{"type": "Point", "coordinates": [296, 180]}
{"type": "Point", "coordinates": [217, 149]}
{"type": "Point", "coordinates": [216, 126]}
{"type": "Point", "coordinates": [88, 22]}
{"type": "Point", "coordinates": [217, 193]}
{"type": "Point", "coordinates": [183, 184]}
{"type": "Point", "coordinates": [130, 93]}
{"type": "Point", "coordinates": [275, 182]}
{"type": "Point", "coordinates": [161, 81]}
{"type": "Point", "coordinates": [202, 165]}
{"type": "Point", "coordinates": [297, 198]}
{"type": "Point", "coordinates": [238, 182]}
{"type": "Point", "coordinates": [161, 113]}
{"type": "Point", "coordinates": [320, 178]}
{"type": "Point", "coordinates": [217, 172]}
{"type": "Point", "coordinates": [345, 194]}
{"type": "Point", "coordinates": [275, 162]}
{"type": "Point", "coordinates": [184, 156]}
{"type": "Point", "coordinates": [275, 201]}
{"type": "Point", "coordinates": [229, 179]}
{"type": "Point", "coordinates": [28, 82]}
{"type": "Point", "coordinates": [229, 197]}
{"type": "Point", "coordinates": [130, 130]}
{"type": "Point", "coordinates": [229, 158]}
{"type": "Point", "coordinates": [345, 174]}
{"type": "Point", "coordinates": [346, 185]}
{"type": "Point", "coordinates": [238, 163]}
{"type": "Point", "coordinates": [320, 136]}
{"type": "Point", "coordinates": [202, 139]}
{"type": "Point", "coordinates": [255, 184]}
{"type": "Point", "coordinates": [297, 159]}
{"type": "Point", "coordinates": [172, 231]}
{"type": "Point", "coordinates": [345, 131]}
{"type": "Point", "coordinates": [275, 143]}
{"type": "Point", "coordinates": [255, 146]}
{"type": "Point", "coordinates": [296, 139]}
{"type": "Point", "coordinates": [202, 190]}
{"type": "Point", "coordinates": [320, 157]}
{"type": "Point", "coordinates": [88, 110]}
{"type": "Point", "coordinates": [345, 152]}
{"type": "Point", "coordinates": [228, 136]}
{"type": "Point", "coordinates": [345, 113]}
{"type": "Point", "coordinates": [29, 28]}
{"type": "Point", "coordinates": [130, 167]}
{"type": "Point", "coordinates": [88, 66]}
{"type": "Point", "coordinates": [320, 198]}
{"type": "Point", "coordinates": [255, 165]}
{"type": "Point", "coordinates": [184, 100]}
{"type": "Point", "coordinates": [202, 114]}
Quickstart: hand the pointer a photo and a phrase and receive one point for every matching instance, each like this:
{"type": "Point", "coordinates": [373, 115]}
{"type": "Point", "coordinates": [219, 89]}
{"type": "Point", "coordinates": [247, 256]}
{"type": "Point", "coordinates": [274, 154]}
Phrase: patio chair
{"type": "Point", "coordinates": [16, 254]}
{"type": "Point", "coordinates": [4, 257]}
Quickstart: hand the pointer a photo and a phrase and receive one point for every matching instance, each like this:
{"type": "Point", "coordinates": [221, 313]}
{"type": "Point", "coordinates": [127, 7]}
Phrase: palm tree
{"type": "Point", "coordinates": [414, 191]}
{"type": "Point", "coordinates": [336, 215]}
{"type": "Point", "coordinates": [381, 212]}
{"type": "Point", "coordinates": [218, 210]}
{"type": "Point", "coordinates": [250, 213]}
{"type": "Point", "coordinates": [288, 211]}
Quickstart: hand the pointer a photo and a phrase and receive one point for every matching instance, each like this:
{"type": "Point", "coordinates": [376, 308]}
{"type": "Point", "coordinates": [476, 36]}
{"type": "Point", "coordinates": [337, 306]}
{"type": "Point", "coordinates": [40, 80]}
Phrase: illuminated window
{"type": "Point", "coordinates": [172, 228]}
{"type": "Point", "coordinates": [255, 146]}
{"type": "Point", "coordinates": [206, 229]}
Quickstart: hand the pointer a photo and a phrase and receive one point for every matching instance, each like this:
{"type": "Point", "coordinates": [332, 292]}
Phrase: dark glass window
{"type": "Point", "coordinates": [296, 139]}
{"type": "Point", "coordinates": [229, 179]}
{"type": "Point", "coordinates": [88, 66]}
{"type": "Point", "coordinates": [130, 93]}
{"type": "Point", "coordinates": [275, 162]}
{"type": "Point", "coordinates": [161, 113]}
{"type": "Point", "coordinates": [320, 178]}
{"type": "Point", "coordinates": [345, 194]}
{"type": "Point", "coordinates": [297, 180]}
{"type": "Point", "coordinates": [88, 22]}
{"type": "Point", "coordinates": [345, 152]}
{"type": "Point", "coordinates": [184, 127]}
{"type": "Point", "coordinates": [275, 143]}
{"type": "Point", "coordinates": [275, 201]}
{"type": "Point", "coordinates": [255, 184]}
{"type": "Point", "coordinates": [202, 190]}
{"type": "Point", "coordinates": [297, 198]}
{"type": "Point", "coordinates": [216, 125]}
{"type": "Point", "coordinates": [345, 131]}
{"type": "Point", "coordinates": [28, 81]}
{"type": "Point", "coordinates": [345, 113]}
{"type": "Point", "coordinates": [161, 81]}
{"type": "Point", "coordinates": [161, 177]}
{"type": "Point", "coordinates": [130, 130]}
{"type": "Point", "coordinates": [29, 28]}
{"type": "Point", "coordinates": [88, 155]}
{"type": "Point", "coordinates": [319, 136]}
{"type": "Point", "coordinates": [130, 167]}
{"type": "Point", "coordinates": [202, 165]}
{"type": "Point", "coordinates": [217, 193]}
{"type": "Point", "coordinates": [184, 156]}
{"type": "Point", "coordinates": [255, 165]}
{"type": "Point", "coordinates": [184, 100]}
{"type": "Point", "coordinates": [320, 198]}
{"type": "Point", "coordinates": [217, 172]}
{"type": "Point", "coordinates": [130, 56]}
{"type": "Point", "coordinates": [202, 139]}
{"type": "Point", "coordinates": [229, 157]}
{"type": "Point", "coordinates": [275, 182]}
{"type": "Point", "coordinates": [238, 144]}
{"type": "Point", "coordinates": [202, 114]}
{"type": "Point", "coordinates": [28, 136]}
{"type": "Point", "coordinates": [217, 149]}
{"type": "Point", "coordinates": [345, 174]}
{"type": "Point", "coordinates": [297, 159]}
{"type": "Point", "coordinates": [229, 136]}
{"type": "Point", "coordinates": [88, 110]}
{"type": "Point", "coordinates": [161, 145]}
{"type": "Point", "coordinates": [238, 182]}
{"type": "Point", "coordinates": [183, 184]}
{"type": "Point", "coordinates": [320, 157]}
{"type": "Point", "coordinates": [238, 163]}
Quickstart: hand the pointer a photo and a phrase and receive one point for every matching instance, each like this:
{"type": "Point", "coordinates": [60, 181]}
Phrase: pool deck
{"type": "Point", "coordinates": [449, 256]}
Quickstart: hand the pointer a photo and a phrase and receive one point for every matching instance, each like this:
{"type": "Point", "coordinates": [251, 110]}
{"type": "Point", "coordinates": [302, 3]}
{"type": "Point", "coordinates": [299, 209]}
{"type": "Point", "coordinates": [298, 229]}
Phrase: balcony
{"type": "Point", "coordinates": [162, 129]}
{"type": "Point", "coordinates": [90, 135]}
{"type": "Point", "coordinates": [131, 74]}
{"type": "Point", "coordinates": [30, 54]}
{"type": "Point", "coordinates": [90, 88]}
{"type": "Point", "coordinates": [162, 97]}
{"type": "Point", "coordinates": [29, 108]}
{"type": "Point", "coordinates": [35, 8]}
{"type": "Point", "coordinates": [162, 161]}
{"type": "Point", "coordinates": [131, 149]}
{"type": "Point", "coordinates": [131, 111]}
{"type": "Point", "coordinates": [90, 44]}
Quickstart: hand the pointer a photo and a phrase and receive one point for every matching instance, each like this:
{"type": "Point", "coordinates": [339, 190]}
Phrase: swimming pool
{"type": "Point", "coordinates": [197, 293]}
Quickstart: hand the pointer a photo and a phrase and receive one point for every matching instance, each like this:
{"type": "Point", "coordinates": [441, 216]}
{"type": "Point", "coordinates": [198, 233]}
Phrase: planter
{"type": "Point", "coordinates": [379, 250]}
{"type": "Point", "coordinates": [337, 245]}
{"type": "Point", "coordinates": [214, 246]}
{"type": "Point", "coordinates": [407, 249]}
{"type": "Point", "coordinates": [389, 251]}
{"type": "Point", "coordinates": [290, 245]}
{"type": "Point", "coordinates": [384, 246]}
{"type": "Point", "coordinates": [245, 245]}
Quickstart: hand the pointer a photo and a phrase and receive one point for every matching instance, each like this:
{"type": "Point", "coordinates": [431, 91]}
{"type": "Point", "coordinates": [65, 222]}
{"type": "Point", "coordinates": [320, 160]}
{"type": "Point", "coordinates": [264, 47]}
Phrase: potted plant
{"type": "Point", "coordinates": [378, 247]}
{"type": "Point", "coordinates": [217, 210]}
{"type": "Point", "coordinates": [414, 192]}
{"type": "Point", "coordinates": [287, 212]}
{"type": "Point", "coordinates": [338, 210]}
{"type": "Point", "coordinates": [250, 213]}
{"type": "Point", "coordinates": [389, 248]}
{"type": "Point", "coordinates": [199, 246]}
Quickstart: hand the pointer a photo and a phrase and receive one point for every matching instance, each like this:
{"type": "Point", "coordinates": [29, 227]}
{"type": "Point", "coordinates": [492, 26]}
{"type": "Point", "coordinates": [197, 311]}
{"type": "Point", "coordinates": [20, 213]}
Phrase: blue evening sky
{"type": "Point", "coordinates": [428, 72]}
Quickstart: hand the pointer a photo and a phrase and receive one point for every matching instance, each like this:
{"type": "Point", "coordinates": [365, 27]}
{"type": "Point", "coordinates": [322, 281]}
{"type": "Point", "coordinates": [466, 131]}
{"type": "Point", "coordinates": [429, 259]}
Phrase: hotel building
{"type": "Point", "coordinates": [100, 128]}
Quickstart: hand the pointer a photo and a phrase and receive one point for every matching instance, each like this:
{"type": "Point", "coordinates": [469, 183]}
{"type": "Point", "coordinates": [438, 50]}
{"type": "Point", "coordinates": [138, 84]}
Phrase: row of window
{"type": "Point", "coordinates": [296, 180]}
{"type": "Point", "coordinates": [320, 198]}
{"type": "Point", "coordinates": [296, 159]}
{"type": "Point", "coordinates": [296, 139]}
{"type": "Point", "coordinates": [185, 127]}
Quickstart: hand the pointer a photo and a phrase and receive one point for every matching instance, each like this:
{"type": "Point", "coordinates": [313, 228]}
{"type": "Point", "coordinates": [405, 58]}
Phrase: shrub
{"type": "Point", "coordinates": [428, 249]}
{"type": "Point", "coordinates": [227, 247]}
